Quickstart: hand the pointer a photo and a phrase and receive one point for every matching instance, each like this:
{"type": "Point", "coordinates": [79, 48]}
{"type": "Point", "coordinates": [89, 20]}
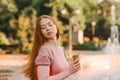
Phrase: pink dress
{"type": "Point", "coordinates": [52, 56]}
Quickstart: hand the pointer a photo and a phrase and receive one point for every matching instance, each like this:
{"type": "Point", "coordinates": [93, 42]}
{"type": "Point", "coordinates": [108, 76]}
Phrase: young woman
{"type": "Point", "coordinates": [47, 60]}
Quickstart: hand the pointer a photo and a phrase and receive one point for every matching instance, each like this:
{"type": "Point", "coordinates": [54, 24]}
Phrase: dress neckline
{"type": "Point", "coordinates": [52, 45]}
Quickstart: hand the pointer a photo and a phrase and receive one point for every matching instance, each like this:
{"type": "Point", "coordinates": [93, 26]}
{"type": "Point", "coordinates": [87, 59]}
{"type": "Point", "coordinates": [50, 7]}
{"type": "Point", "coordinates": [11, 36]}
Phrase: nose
{"type": "Point", "coordinates": [48, 28]}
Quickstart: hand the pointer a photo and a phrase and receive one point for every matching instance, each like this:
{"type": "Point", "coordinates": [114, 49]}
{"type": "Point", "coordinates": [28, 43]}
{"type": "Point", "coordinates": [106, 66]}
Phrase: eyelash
{"type": "Point", "coordinates": [43, 27]}
{"type": "Point", "coordinates": [50, 25]}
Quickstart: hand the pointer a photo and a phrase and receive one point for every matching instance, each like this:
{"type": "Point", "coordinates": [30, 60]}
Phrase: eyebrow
{"type": "Point", "coordinates": [47, 23]}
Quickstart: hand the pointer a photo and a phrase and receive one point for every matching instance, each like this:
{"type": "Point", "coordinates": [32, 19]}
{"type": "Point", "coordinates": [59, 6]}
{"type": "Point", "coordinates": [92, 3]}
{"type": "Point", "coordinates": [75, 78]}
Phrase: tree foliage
{"type": "Point", "coordinates": [7, 11]}
{"type": "Point", "coordinates": [19, 16]}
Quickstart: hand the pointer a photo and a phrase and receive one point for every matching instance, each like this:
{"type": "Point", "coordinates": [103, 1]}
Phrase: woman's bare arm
{"type": "Point", "coordinates": [43, 72]}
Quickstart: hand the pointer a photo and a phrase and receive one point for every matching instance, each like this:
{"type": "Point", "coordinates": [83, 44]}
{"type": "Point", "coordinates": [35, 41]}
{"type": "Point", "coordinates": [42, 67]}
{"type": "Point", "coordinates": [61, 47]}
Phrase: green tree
{"type": "Point", "coordinates": [104, 20]}
{"type": "Point", "coordinates": [7, 9]}
{"type": "Point", "coordinates": [24, 27]}
{"type": "Point", "coordinates": [90, 9]}
{"type": "Point", "coordinates": [40, 7]}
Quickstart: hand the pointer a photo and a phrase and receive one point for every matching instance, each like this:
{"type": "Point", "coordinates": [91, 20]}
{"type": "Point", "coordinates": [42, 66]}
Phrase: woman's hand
{"type": "Point", "coordinates": [74, 66]}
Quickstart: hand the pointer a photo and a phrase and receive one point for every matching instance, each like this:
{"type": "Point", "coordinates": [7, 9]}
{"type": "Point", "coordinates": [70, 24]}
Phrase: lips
{"type": "Point", "coordinates": [49, 33]}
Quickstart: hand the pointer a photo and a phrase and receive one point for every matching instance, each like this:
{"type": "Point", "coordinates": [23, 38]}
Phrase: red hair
{"type": "Point", "coordinates": [30, 67]}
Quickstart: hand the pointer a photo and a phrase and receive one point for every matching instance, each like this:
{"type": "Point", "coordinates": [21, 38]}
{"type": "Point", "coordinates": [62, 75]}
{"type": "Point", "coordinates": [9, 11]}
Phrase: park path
{"type": "Point", "coordinates": [93, 66]}
{"type": "Point", "coordinates": [10, 66]}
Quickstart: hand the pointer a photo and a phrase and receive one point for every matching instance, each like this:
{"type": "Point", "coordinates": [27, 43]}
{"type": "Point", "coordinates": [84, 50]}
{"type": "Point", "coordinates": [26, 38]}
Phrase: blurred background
{"type": "Point", "coordinates": [85, 25]}
{"type": "Point", "coordinates": [91, 20]}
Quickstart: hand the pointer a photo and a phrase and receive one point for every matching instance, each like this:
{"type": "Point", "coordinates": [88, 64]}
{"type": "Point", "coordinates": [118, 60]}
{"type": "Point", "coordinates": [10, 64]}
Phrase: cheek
{"type": "Point", "coordinates": [55, 30]}
{"type": "Point", "coordinates": [43, 32]}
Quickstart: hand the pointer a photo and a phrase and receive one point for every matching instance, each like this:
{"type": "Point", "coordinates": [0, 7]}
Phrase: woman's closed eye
{"type": "Point", "coordinates": [43, 27]}
{"type": "Point", "coordinates": [50, 25]}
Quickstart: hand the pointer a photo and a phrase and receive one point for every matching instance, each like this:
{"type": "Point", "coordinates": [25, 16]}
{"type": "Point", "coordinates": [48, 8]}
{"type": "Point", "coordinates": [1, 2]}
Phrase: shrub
{"type": "Point", "coordinates": [86, 46]}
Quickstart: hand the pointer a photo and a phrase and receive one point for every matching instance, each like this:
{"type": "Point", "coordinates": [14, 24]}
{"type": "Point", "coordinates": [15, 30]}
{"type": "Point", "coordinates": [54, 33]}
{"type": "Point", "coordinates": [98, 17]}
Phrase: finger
{"type": "Point", "coordinates": [76, 64]}
{"type": "Point", "coordinates": [77, 60]}
{"type": "Point", "coordinates": [77, 68]}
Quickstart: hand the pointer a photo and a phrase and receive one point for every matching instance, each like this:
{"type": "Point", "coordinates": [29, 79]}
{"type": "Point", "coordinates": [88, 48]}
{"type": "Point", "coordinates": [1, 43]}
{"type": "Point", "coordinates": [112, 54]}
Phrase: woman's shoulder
{"type": "Point", "coordinates": [44, 46]}
{"type": "Point", "coordinates": [49, 47]}
{"type": "Point", "coordinates": [44, 49]}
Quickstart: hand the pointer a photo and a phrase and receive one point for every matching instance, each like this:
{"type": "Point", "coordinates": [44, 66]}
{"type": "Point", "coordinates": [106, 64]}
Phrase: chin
{"type": "Point", "coordinates": [51, 37]}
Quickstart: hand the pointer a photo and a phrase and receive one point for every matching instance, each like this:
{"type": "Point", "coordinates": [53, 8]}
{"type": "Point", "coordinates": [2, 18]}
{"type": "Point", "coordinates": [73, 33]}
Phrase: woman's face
{"type": "Point", "coordinates": [48, 29]}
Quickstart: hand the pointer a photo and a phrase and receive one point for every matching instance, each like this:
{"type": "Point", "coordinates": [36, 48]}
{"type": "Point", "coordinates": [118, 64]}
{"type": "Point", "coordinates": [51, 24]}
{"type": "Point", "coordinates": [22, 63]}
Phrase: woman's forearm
{"type": "Point", "coordinates": [74, 67]}
{"type": "Point", "coordinates": [60, 76]}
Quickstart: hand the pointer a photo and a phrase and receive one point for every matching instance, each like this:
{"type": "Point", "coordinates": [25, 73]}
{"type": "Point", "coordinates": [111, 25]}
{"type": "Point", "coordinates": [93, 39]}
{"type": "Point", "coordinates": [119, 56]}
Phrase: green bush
{"type": "Point", "coordinates": [86, 46]}
{"type": "Point", "coordinates": [65, 44]}
{"type": "Point", "coordinates": [3, 39]}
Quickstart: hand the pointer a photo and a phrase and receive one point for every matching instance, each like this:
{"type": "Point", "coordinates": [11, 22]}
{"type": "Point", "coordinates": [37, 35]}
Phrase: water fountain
{"type": "Point", "coordinates": [102, 66]}
{"type": "Point", "coordinates": [112, 46]}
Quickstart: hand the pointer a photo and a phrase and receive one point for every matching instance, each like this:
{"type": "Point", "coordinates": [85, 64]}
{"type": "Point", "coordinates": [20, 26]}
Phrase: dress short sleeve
{"type": "Point", "coordinates": [43, 57]}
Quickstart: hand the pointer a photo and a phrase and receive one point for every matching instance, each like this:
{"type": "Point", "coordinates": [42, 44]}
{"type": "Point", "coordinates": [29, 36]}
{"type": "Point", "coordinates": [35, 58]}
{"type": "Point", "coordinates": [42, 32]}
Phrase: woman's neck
{"type": "Point", "coordinates": [53, 42]}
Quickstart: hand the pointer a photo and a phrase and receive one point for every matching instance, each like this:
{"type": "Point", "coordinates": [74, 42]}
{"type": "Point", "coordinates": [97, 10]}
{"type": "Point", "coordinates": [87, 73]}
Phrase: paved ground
{"type": "Point", "coordinates": [10, 65]}
{"type": "Point", "coordinates": [94, 66]}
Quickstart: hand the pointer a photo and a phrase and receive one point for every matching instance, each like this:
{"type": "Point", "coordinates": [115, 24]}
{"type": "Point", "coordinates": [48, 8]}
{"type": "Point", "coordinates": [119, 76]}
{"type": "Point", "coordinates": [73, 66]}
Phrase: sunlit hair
{"type": "Point", "coordinates": [30, 68]}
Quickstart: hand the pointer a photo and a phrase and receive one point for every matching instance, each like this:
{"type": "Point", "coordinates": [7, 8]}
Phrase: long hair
{"type": "Point", "coordinates": [30, 68]}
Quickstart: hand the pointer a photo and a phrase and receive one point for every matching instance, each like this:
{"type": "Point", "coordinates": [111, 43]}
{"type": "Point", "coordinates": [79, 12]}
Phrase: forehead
{"type": "Point", "coordinates": [45, 21]}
